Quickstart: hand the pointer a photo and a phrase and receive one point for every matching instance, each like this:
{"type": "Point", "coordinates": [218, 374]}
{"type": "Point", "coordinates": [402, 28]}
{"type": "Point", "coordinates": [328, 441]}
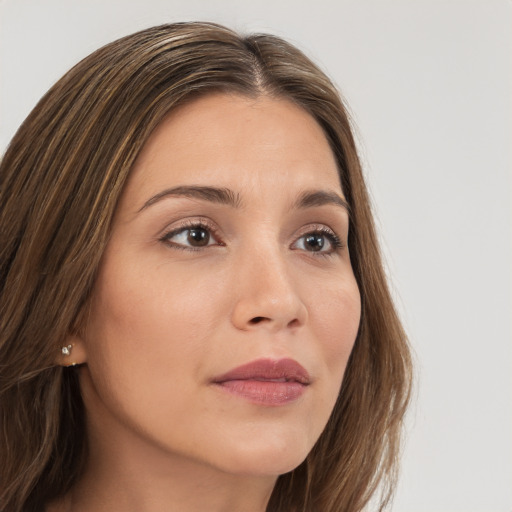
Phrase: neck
{"type": "Point", "coordinates": [179, 487]}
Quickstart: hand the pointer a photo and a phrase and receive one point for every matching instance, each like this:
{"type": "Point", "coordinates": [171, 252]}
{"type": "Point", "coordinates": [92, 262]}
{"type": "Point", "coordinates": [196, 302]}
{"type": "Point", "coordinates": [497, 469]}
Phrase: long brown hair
{"type": "Point", "coordinates": [60, 181]}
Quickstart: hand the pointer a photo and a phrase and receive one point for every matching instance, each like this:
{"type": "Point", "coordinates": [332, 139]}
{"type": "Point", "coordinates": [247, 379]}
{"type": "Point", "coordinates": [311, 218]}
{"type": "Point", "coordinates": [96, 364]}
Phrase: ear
{"type": "Point", "coordinates": [73, 352]}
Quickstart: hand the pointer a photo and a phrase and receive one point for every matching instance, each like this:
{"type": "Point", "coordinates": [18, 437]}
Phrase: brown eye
{"type": "Point", "coordinates": [322, 241]}
{"type": "Point", "coordinates": [314, 242]}
{"type": "Point", "coordinates": [190, 237]}
{"type": "Point", "coordinates": [198, 237]}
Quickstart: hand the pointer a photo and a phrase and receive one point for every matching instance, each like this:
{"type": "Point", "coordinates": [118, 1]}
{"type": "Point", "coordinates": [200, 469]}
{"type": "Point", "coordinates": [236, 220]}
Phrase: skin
{"type": "Point", "coordinates": [167, 317]}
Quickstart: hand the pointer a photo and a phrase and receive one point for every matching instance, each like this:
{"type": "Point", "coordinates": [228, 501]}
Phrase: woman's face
{"type": "Point", "coordinates": [225, 308]}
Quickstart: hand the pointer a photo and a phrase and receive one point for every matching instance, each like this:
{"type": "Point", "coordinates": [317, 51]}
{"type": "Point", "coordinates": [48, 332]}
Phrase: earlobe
{"type": "Point", "coordinates": [73, 352]}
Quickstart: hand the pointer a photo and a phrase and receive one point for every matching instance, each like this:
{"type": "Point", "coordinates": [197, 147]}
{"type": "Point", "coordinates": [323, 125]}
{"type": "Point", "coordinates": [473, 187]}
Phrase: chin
{"type": "Point", "coordinates": [268, 458]}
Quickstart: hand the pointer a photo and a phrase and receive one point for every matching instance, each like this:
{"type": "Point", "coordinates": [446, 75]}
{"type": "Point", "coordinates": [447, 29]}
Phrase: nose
{"type": "Point", "coordinates": [267, 296]}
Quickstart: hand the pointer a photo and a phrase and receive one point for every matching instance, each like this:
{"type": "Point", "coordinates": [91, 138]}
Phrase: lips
{"type": "Point", "coordinates": [266, 381]}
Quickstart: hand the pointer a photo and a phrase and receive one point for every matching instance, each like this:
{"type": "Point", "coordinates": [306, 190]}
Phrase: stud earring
{"type": "Point", "coordinates": [66, 351]}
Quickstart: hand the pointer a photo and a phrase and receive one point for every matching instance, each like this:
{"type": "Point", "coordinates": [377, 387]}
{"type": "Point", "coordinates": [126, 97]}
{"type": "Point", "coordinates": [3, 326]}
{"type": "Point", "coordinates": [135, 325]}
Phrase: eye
{"type": "Point", "coordinates": [321, 240]}
{"type": "Point", "coordinates": [192, 237]}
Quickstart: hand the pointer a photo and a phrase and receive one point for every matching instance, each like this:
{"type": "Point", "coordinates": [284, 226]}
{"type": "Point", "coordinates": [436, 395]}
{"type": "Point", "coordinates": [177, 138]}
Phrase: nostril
{"type": "Point", "coordinates": [257, 319]}
{"type": "Point", "coordinates": [294, 323]}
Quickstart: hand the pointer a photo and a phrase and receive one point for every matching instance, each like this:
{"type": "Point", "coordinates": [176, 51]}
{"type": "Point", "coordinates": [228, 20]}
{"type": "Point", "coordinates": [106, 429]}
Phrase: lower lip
{"type": "Point", "coordinates": [265, 392]}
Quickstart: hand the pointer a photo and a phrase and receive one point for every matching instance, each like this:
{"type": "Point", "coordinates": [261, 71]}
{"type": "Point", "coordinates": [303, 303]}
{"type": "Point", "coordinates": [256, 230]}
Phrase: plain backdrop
{"type": "Point", "coordinates": [429, 83]}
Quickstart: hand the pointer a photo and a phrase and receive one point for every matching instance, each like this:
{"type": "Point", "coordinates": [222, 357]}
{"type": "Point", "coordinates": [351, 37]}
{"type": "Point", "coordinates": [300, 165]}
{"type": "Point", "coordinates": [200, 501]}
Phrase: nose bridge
{"type": "Point", "coordinates": [267, 293]}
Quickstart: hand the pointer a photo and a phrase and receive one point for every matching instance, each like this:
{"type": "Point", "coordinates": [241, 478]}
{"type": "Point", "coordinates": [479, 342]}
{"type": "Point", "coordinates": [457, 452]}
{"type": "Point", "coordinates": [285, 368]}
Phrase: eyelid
{"type": "Point", "coordinates": [335, 240]}
{"type": "Point", "coordinates": [191, 223]}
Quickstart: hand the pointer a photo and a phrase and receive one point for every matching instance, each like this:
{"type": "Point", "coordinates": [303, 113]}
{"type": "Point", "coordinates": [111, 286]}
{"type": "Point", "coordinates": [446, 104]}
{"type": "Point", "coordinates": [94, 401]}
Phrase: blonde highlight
{"type": "Point", "coordinates": [60, 182]}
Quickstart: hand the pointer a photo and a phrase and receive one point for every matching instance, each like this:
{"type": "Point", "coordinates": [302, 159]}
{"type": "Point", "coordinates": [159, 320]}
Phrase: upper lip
{"type": "Point", "coordinates": [267, 370]}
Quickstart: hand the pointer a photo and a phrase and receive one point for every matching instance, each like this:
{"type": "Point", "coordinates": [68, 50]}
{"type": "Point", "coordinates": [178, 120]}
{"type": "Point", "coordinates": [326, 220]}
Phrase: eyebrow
{"type": "Point", "coordinates": [226, 196]}
{"type": "Point", "coordinates": [204, 193]}
{"type": "Point", "coordinates": [311, 198]}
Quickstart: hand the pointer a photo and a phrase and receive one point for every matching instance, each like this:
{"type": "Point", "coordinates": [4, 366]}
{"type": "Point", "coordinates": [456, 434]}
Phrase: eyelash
{"type": "Point", "coordinates": [196, 224]}
{"type": "Point", "coordinates": [336, 243]}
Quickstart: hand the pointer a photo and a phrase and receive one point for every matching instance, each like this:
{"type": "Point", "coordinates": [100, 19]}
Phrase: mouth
{"type": "Point", "coordinates": [266, 381]}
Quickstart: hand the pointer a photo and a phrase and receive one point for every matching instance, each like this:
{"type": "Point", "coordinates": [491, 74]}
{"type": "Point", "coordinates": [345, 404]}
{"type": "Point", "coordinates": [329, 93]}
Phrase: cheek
{"type": "Point", "coordinates": [336, 319]}
{"type": "Point", "coordinates": [157, 321]}
{"type": "Point", "coordinates": [155, 298]}
{"type": "Point", "coordinates": [145, 339]}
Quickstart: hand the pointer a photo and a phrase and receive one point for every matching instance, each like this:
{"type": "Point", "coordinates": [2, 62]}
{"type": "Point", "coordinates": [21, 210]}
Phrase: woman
{"type": "Point", "coordinates": [194, 312]}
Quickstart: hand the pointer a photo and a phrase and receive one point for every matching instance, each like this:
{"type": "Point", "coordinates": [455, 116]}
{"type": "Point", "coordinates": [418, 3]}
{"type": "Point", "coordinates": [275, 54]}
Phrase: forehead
{"type": "Point", "coordinates": [237, 142]}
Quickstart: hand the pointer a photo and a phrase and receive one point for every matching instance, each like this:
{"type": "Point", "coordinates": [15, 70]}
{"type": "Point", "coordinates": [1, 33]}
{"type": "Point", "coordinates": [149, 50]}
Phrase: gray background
{"type": "Point", "coordinates": [429, 83]}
